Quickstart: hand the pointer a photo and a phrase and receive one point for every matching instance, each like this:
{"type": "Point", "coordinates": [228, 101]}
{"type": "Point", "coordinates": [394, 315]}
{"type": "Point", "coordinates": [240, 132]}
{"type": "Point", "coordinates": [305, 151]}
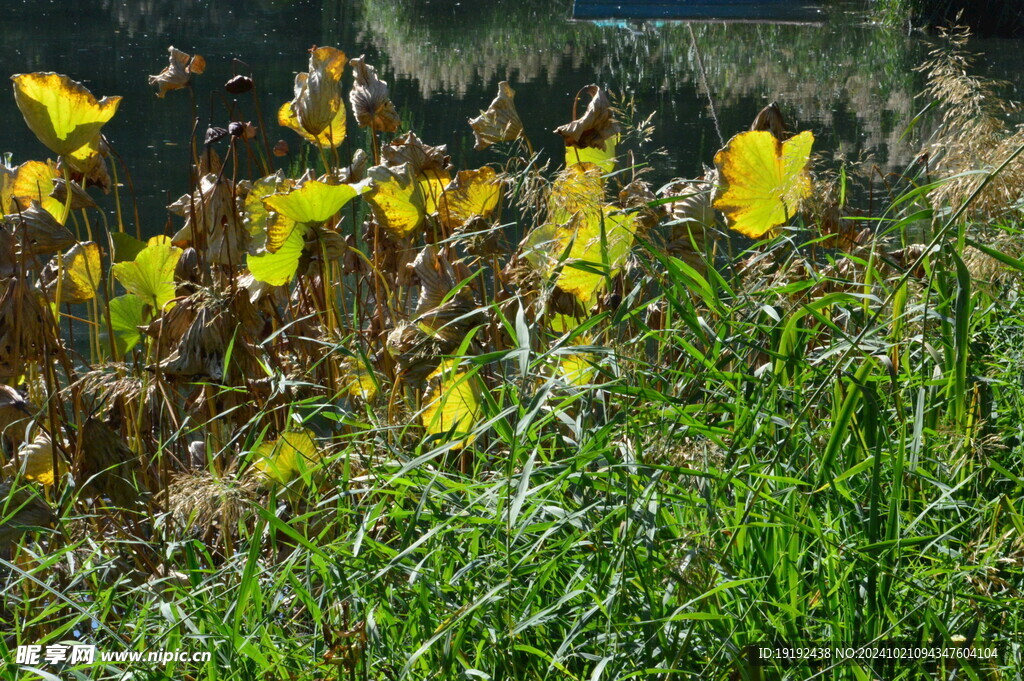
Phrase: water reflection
{"type": "Point", "coordinates": [850, 82]}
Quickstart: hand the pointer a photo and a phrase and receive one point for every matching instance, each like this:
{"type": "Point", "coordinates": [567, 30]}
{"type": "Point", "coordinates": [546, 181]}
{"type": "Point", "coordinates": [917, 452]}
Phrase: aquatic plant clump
{"type": "Point", "coordinates": [362, 412]}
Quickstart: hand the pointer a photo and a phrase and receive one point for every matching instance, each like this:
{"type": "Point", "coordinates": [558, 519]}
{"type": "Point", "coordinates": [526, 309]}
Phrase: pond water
{"type": "Point", "coordinates": [850, 82]}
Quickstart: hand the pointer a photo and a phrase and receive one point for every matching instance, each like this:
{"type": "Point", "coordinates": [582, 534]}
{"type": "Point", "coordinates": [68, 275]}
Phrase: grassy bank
{"type": "Point", "coordinates": [343, 426]}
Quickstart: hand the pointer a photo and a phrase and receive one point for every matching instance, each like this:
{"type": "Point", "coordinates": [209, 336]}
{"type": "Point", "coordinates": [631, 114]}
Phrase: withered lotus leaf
{"type": "Point", "coordinates": [79, 197]}
{"type": "Point", "coordinates": [26, 509]}
{"type": "Point", "coordinates": [500, 122]}
{"type": "Point", "coordinates": [408, 149]}
{"type": "Point", "coordinates": [109, 467]}
{"type": "Point", "coordinates": [221, 325]}
{"type": "Point", "coordinates": [77, 276]}
{"type": "Point", "coordinates": [24, 319]}
{"type": "Point", "coordinates": [38, 232]}
{"type": "Point", "coordinates": [439, 314]}
{"type": "Point", "coordinates": [87, 165]}
{"type": "Point", "coordinates": [370, 99]}
{"type": "Point", "coordinates": [151, 274]}
{"type": "Point", "coordinates": [762, 180]}
{"type": "Point", "coordinates": [317, 111]}
{"type": "Point", "coordinates": [178, 73]}
{"type": "Point", "coordinates": [15, 414]}
{"type": "Point", "coordinates": [771, 119]}
{"type": "Point", "coordinates": [596, 125]}
{"type": "Point", "coordinates": [212, 218]}
{"type": "Point", "coordinates": [62, 113]}
{"type": "Point", "coordinates": [473, 193]}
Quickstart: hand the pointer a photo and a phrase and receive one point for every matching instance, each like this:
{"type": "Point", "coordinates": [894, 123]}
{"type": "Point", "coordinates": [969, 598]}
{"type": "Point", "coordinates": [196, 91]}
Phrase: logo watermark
{"type": "Point", "coordinates": [85, 654]}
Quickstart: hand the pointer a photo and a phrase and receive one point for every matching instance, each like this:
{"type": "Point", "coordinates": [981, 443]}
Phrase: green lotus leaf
{"type": "Point", "coordinates": [151, 274]}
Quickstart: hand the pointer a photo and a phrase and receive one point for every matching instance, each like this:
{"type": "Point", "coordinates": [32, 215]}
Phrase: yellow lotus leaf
{"type": "Point", "coordinates": [602, 157]}
{"type": "Point", "coordinates": [86, 165]}
{"type": "Point", "coordinates": [331, 136]}
{"type": "Point", "coordinates": [151, 274]}
{"type": "Point", "coordinates": [62, 113]}
{"type": "Point", "coordinates": [452, 403]}
{"type": "Point", "coordinates": [763, 181]}
{"type": "Point", "coordinates": [472, 193]}
{"type": "Point", "coordinates": [576, 369]}
{"type": "Point", "coordinates": [396, 201]}
{"type": "Point", "coordinates": [314, 201]}
{"type": "Point", "coordinates": [577, 188]}
{"type": "Point", "coordinates": [35, 462]}
{"type": "Point", "coordinates": [431, 185]}
{"type": "Point", "coordinates": [500, 123]}
{"type": "Point", "coordinates": [597, 242]}
{"type": "Point", "coordinates": [317, 111]}
{"type": "Point", "coordinates": [80, 274]}
{"type": "Point", "coordinates": [288, 457]}
{"type": "Point", "coordinates": [34, 181]}
{"type": "Point", "coordinates": [277, 268]}
{"type": "Point", "coordinates": [359, 381]}
{"type": "Point", "coordinates": [268, 229]}
{"type": "Point", "coordinates": [592, 261]}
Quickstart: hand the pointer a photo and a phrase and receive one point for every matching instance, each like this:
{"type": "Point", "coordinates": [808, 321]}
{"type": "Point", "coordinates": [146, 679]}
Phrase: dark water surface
{"type": "Point", "coordinates": [850, 82]}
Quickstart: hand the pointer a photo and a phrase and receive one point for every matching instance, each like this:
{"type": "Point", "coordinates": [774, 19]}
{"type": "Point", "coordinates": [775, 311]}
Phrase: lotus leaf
{"type": "Point", "coordinates": [595, 126]}
{"type": "Point", "coordinates": [370, 99]}
{"type": "Point", "coordinates": [472, 193]}
{"type": "Point", "coordinates": [500, 122]}
{"type": "Point", "coordinates": [35, 462]}
{"type": "Point", "coordinates": [763, 181]}
{"type": "Point", "coordinates": [279, 267]}
{"type": "Point", "coordinates": [178, 72]}
{"type": "Point", "coordinates": [62, 113]}
{"type": "Point", "coordinates": [317, 111]}
{"type": "Point", "coordinates": [288, 457]}
{"type": "Point", "coordinates": [453, 403]}
{"type": "Point", "coordinates": [80, 274]}
{"type": "Point", "coordinates": [127, 314]}
{"type": "Point", "coordinates": [602, 157]}
{"type": "Point", "coordinates": [314, 201]}
{"type": "Point", "coordinates": [34, 181]}
{"type": "Point", "coordinates": [151, 274]}
{"type": "Point", "coordinates": [396, 200]}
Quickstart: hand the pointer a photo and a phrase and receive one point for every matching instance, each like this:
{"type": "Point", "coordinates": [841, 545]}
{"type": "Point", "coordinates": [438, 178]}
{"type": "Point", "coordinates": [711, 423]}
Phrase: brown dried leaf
{"type": "Point", "coordinates": [408, 148]}
{"type": "Point", "coordinates": [39, 232]}
{"type": "Point", "coordinates": [178, 72]}
{"type": "Point", "coordinates": [501, 122]}
{"type": "Point", "coordinates": [595, 125]}
{"type": "Point", "coordinates": [771, 119]}
{"type": "Point", "coordinates": [370, 99]}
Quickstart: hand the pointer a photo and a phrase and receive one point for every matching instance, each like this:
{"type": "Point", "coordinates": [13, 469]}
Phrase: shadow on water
{"type": "Point", "coordinates": [852, 83]}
